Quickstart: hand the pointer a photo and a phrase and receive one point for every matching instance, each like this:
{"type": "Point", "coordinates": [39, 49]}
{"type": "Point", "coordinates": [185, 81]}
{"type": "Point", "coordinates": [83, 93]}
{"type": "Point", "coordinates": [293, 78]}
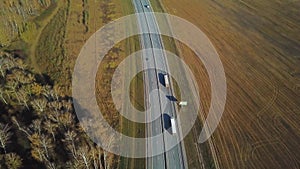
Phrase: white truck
{"type": "Point", "coordinates": [183, 103]}
{"type": "Point", "coordinates": [167, 83]}
{"type": "Point", "coordinates": [173, 125]}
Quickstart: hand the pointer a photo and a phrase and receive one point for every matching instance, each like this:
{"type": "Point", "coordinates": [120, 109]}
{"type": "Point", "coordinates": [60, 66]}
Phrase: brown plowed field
{"type": "Point", "coordinates": [259, 46]}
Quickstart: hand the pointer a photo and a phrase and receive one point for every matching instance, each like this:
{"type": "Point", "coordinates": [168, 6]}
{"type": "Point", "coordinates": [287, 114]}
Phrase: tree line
{"type": "Point", "coordinates": [38, 128]}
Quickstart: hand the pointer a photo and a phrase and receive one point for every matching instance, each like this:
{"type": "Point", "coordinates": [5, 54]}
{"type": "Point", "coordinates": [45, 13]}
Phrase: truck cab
{"type": "Point", "coordinates": [173, 125]}
{"type": "Point", "coordinates": [182, 103]}
{"type": "Point", "coordinates": [166, 78]}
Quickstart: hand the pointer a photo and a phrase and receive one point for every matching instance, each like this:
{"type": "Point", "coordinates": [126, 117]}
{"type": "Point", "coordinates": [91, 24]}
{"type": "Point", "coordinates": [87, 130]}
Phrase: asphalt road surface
{"type": "Point", "coordinates": [158, 104]}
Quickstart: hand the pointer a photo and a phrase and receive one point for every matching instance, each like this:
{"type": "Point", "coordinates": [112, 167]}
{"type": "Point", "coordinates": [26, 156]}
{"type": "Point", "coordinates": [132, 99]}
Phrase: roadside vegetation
{"type": "Point", "coordinates": [16, 16]}
{"type": "Point", "coordinates": [103, 86]}
{"type": "Point", "coordinates": [129, 127]}
{"type": "Point", "coordinates": [50, 53]}
{"type": "Point", "coordinates": [48, 38]}
{"type": "Point", "coordinates": [137, 92]}
{"type": "Point", "coordinates": [38, 128]}
{"type": "Point", "coordinates": [197, 154]}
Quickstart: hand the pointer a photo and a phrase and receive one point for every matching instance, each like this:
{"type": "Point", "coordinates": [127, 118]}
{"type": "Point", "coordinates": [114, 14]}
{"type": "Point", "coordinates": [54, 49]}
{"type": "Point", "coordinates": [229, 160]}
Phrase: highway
{"type": "Point", "coordinates": [157, 102]}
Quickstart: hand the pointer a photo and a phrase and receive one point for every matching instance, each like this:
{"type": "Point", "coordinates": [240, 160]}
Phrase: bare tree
{"type": "Point", "coordinates": [38, 153]}
{"type": "Point", "coordinates": [39, 105]}
{"type": "Point", "coordinates": [26, 78]}
{"type": "Point", "coordinates": [13, 88]}
{"type": "Point", "coordinates": [84, 157]}
{"type": "Point", "coordinates": [36, 127]}
{"type": "Point", "coordinates": [18, 74]}
{"type": "Point", "coordinates": [70, 138]}
{"type": "Point", "coordinates": [41, 146]}
{"type": "Point", "coordinates": [50, 128]}
{"type": "Point", "coordinates": [2, 67]}
{"type": "Point", "coordinates": [95, 154]}
{"type": "Point", "coordinates": [51, 166]}
{"type": "Point", "coordinates": [66, 119]}
{"type": "Point", "coordinates": [47, 144]}
{"type": "Point", "coordinates": [49, 93]}
{"type": "Point", "coordinates": [5, 135]}
{"type": "Point", "coordinates": [68, 105]}
{"type": "Point", "coordinates": [23, 98]}
{"type": "Point", "coordinates": [99, 156]}
{"type": "Point", "coordinates": [106, 164]}
{"type": "Point", "coordinates": [15, 121]}
{"type": "Point", "coordinates": [53, 115]}
{"type": "Point", "coordinates": [5, 64]}
{"type": "Point", "coordinates": [56, 105]}
{"type": "Point", "coordinates": [2, 94]}
{"type": "Point", "coordinates": [13, 161]}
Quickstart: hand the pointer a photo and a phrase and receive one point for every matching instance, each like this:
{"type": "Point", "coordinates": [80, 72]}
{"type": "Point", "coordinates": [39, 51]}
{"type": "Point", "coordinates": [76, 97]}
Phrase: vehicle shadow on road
{"type": "Point", "coordinates": [167, 122]}
{"type": "Point", "coordinates": [172, 98]}
{"type": "Point", "coordinates": [161, 79]}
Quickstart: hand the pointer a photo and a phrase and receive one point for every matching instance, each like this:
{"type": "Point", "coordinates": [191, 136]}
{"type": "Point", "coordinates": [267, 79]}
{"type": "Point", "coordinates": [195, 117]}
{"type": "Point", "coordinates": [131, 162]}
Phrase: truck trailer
{"type": "Point", "coordinates": [167, 83]}
{"type": "Point", "coordinates": [173, 125]}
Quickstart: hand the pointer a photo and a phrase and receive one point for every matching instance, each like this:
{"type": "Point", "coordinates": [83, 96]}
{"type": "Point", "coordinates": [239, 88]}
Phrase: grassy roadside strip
{"type": "Point", "coordinates": [29, 38]}
{"type": "Point", "coordinates": [193, 150]}
{"type": "Point", "coordinates": [156, 6]}
{"type": "Point", "coordinates": [130, 128]}
{"type": "Point", "coordinates": [195, 153]}
{"type": "Point", "coordinates": [49, 51]}
{"type": "Point", "coordinates": [137, 90]}
{"type": "Point", "coordinates": [42, 21]}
